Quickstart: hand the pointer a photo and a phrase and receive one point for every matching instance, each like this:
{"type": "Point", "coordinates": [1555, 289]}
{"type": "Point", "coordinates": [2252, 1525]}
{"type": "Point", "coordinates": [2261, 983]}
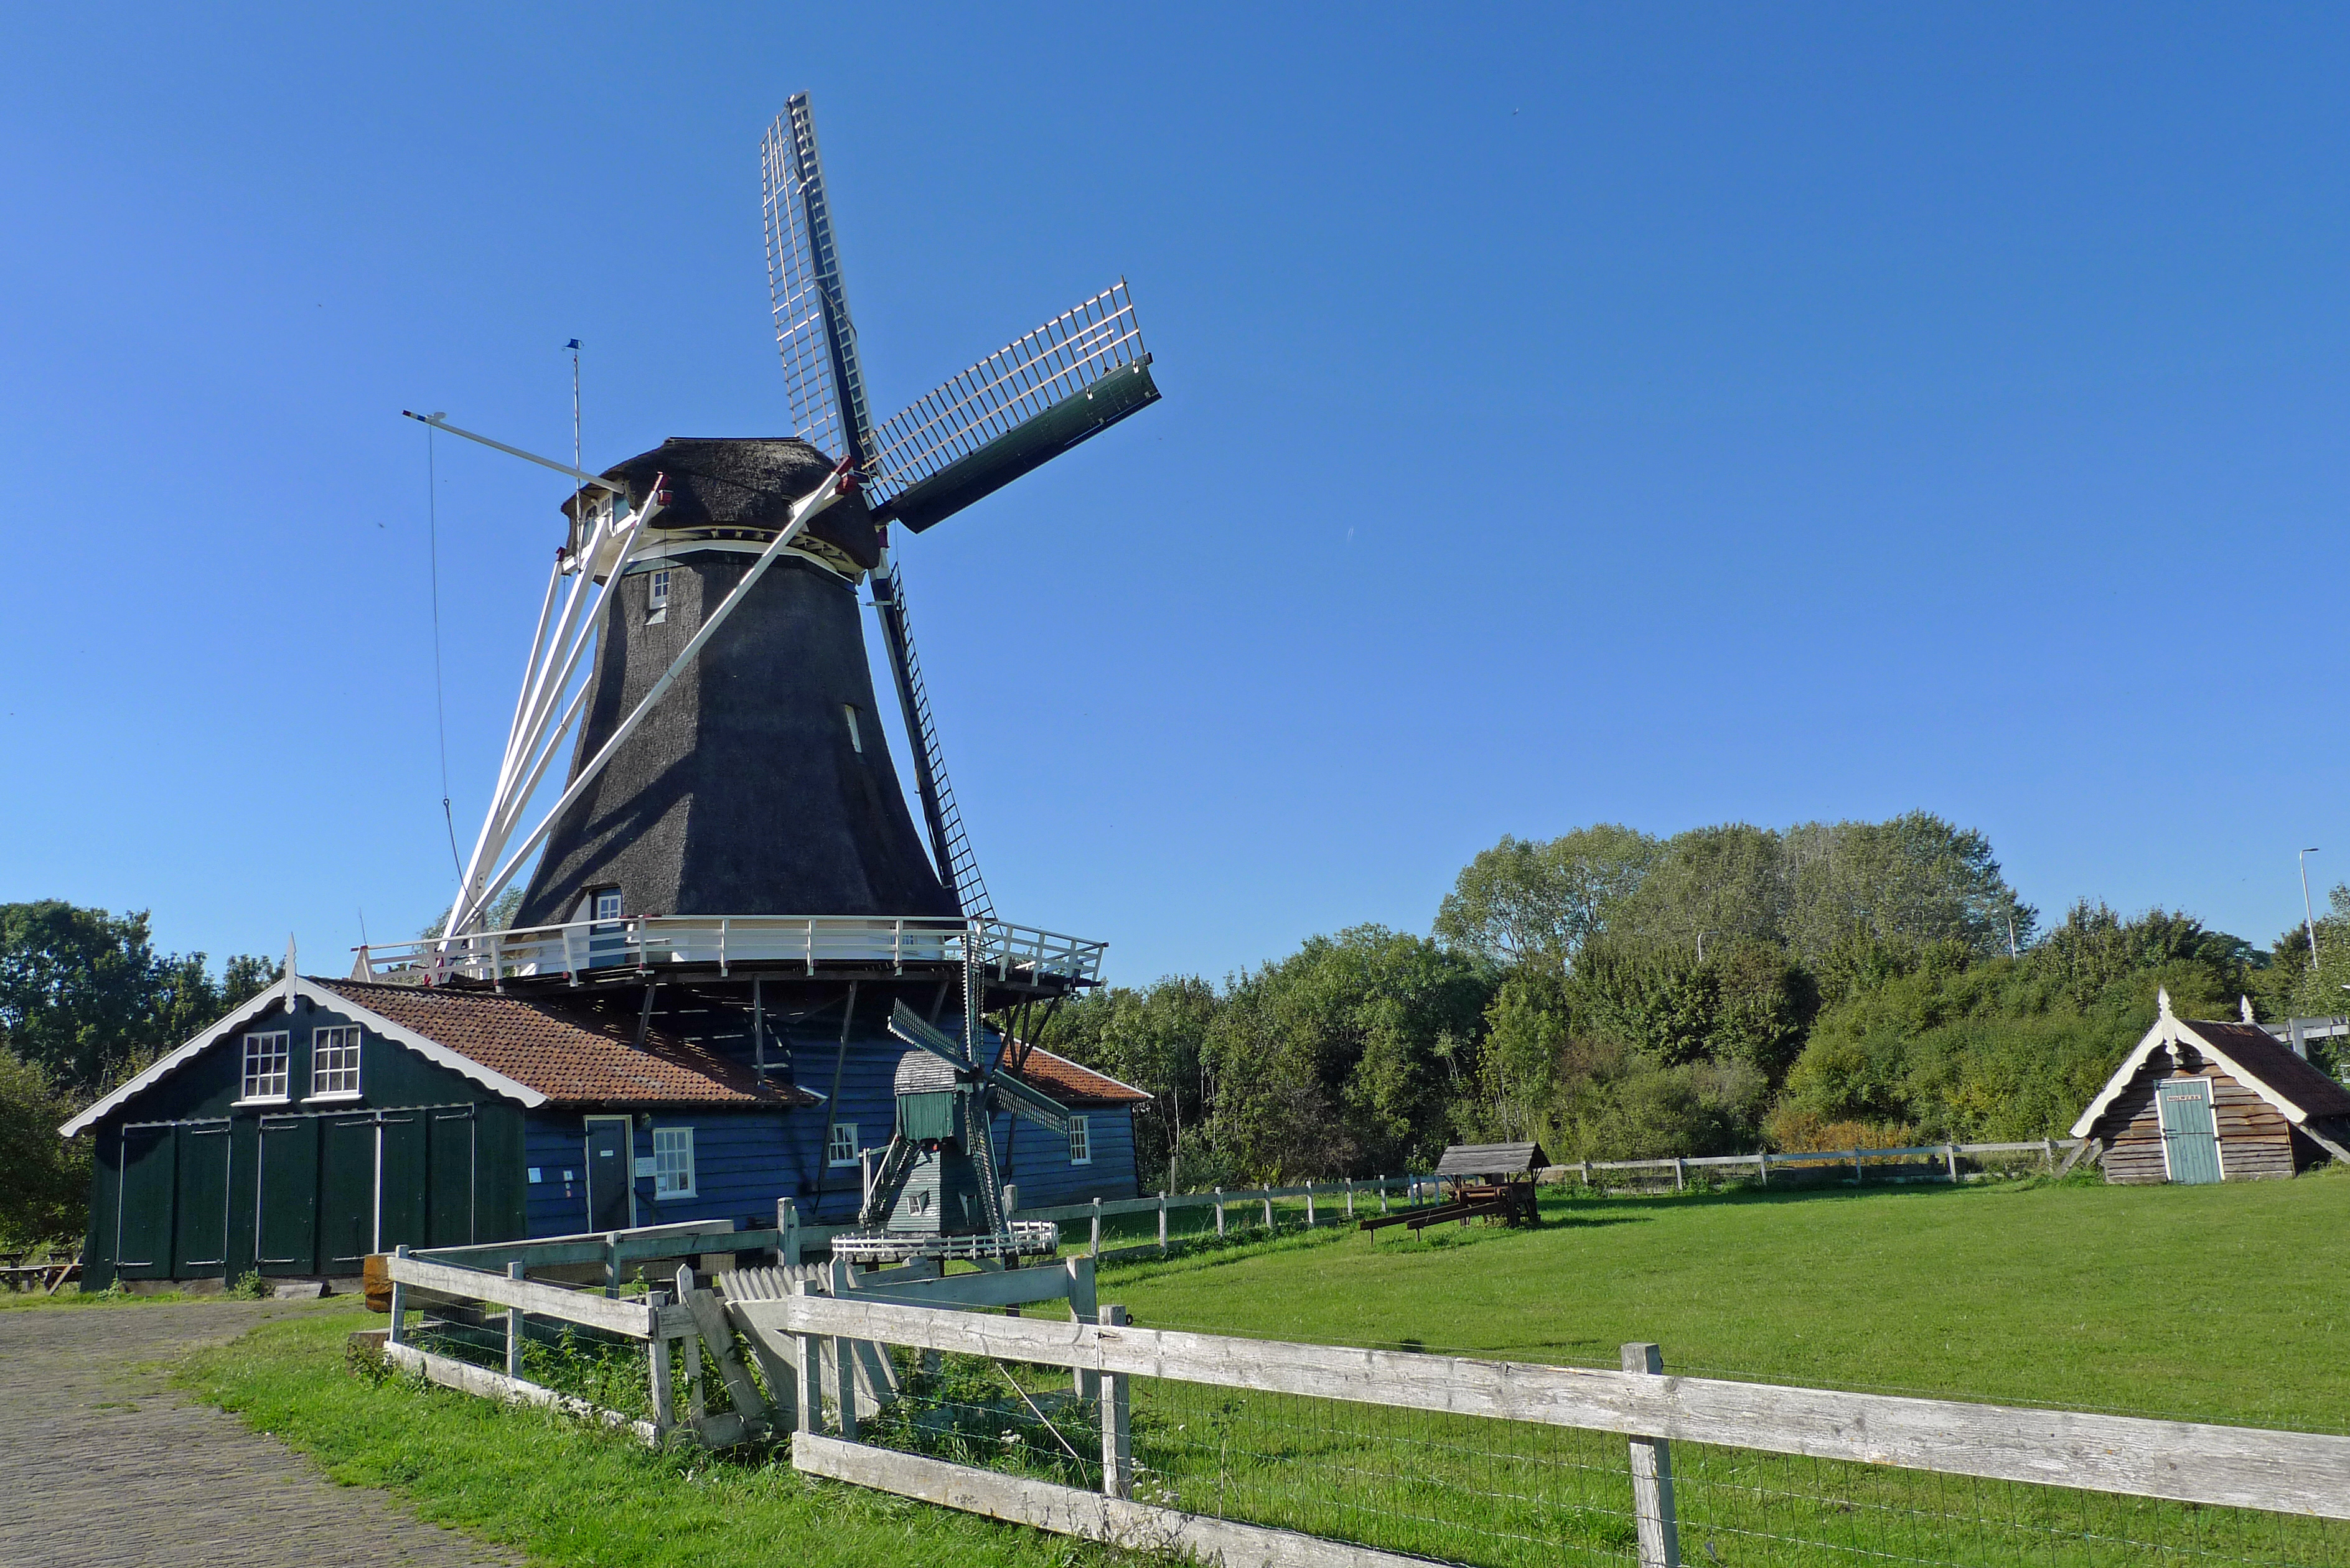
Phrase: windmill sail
{"type": "Point", "coordinates": [1013, 411]}
{"type": "Point", "coordinates": [821, 373]}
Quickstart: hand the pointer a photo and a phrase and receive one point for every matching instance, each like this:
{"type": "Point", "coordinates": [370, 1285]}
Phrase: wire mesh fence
{"type": "Point", "coordinates": [1498, 1494]}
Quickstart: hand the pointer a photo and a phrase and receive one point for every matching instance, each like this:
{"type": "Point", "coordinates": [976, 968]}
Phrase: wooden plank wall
{"type": "Point", "coordinates": [2255, 1140]}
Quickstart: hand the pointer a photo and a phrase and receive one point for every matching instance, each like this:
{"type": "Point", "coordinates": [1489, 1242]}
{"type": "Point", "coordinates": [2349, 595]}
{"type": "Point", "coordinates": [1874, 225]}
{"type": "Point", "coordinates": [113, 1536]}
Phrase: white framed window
{"type": "Point", "coordinates": [334, 1060]}
{"type": "Point", "coordinates": [607, 904]}
{"type": "Point", "coordinates": [856, 736]}
{"type": "Point", "coordinates": [1081, 1141]}
{"type": "Point", "coordinates": [841, 1148]}
{"type": "Point", "coordinates": [672, 1162]}
{"type": "Point", "coordinates": [265, 1065]}
{"type": "Point", "coordinates": [657, 592]}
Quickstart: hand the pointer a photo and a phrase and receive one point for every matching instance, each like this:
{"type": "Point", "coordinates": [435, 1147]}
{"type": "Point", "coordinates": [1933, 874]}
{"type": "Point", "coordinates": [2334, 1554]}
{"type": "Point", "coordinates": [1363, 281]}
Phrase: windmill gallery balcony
{"type": "Point", "coordinates": [576, 952]}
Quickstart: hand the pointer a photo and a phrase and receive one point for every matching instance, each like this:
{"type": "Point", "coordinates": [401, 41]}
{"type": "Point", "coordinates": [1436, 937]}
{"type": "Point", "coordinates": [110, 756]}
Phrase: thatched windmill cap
{"type": "Point", "coordinates": [745, 482]}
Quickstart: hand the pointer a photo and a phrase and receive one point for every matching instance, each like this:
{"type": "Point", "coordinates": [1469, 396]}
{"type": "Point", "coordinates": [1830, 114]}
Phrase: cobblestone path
{"type": "Point", "coordinates": [101, 1462]}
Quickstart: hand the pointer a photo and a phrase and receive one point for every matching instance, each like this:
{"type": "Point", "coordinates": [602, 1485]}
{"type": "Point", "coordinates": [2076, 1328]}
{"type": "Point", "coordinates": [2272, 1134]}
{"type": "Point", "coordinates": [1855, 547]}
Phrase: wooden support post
{"type": "Point", "coordinates": [1117, 1421]}
{"type": "Point", "coordinates": [1584, 1167]}
{"type": "Point", "coordinates": [787, 1232]}
{"type": "Point", "coordinates": [1763, 1166]}
{"type": "Point", "coordinates": [1681, 1175]}
{"type": "Point", "coordinates": [1350, 1197]}
{"type": "Point", "coordinates": [1268, 1205]}
{"type": "Point", "coordinates": [514, 1329]}
{"type": "Point", "coordinates": [2048, 1154]}
{"type": "Point", "coordinates": [1162, 1223]}
{"type": "Point", "coordinates": [612, 1263]}
{"type": "Point", "coordinates": [1092, 1248]}
{"type": "Point", "coordinates": [1383, 1194]}
{"type": "Point", "coordinates": [1309, 1206]}
{"type": "Point", "coordinates": [844, 1392]}
{"type": "Point", "coordinates": [1951, 1159]}
{"type": "Point", "coordinates": [1220, 1211]}
{"type": "Point", "coordinates": [1652, 1478]}
{"type": "Point", "coordinates": [656, 1354]}
{"type": "Point", "coordinates": [1856, 1168]}
{"type": "Point", "coordinates": [696, 1403]}
{"type": "Point", "coordinates": [396, 1335]}
{"type": "Point", "coordinates": [1083, 1306]}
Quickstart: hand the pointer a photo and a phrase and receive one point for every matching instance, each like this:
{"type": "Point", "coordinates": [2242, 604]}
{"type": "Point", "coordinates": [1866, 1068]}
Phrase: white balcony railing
{"type": "Point", "coordinates": [721, 941]}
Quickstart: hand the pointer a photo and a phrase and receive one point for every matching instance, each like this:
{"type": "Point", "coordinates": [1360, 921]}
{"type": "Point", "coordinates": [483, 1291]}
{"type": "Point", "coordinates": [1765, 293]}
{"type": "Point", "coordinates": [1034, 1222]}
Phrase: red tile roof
{"type": "Point", "coordinates": [1072, 1084]}
{"type": "Point", "coordinates": [2271, 1061]}
{"type": "Point", "coordinates": [575, 1052]}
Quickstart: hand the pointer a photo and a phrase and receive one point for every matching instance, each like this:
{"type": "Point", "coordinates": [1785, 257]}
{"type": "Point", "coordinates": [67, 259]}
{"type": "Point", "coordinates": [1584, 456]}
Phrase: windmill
{"type": "Point", "coordinates": [937, 1192]}
{"type": "Point", "coordinates": [732, 838]}
{"type": "Point", "coordinates": [721, 766]}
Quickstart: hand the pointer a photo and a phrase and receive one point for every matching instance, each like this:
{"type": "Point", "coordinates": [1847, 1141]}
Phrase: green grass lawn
{"type": "Point", "coordinates": [2222, 1303]}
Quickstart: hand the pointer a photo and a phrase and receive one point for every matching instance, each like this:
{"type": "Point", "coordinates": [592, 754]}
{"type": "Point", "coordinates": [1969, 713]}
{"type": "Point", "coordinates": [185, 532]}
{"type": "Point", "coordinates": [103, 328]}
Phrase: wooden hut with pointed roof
{"type": "Point", "coordinates": [2199, 1101]}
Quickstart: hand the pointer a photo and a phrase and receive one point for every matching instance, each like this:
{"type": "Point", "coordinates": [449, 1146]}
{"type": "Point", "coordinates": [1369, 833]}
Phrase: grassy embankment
{"type": "Point", "coordinates": [2210, 1302]}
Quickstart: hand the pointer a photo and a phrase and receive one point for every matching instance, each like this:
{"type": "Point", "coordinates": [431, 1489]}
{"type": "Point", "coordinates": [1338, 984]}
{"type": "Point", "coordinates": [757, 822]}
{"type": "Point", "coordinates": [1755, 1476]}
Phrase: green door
{"type": "Point", "coordinates": [2190, 1141]}
{"type": "Point", "coordinates": [142, 1222]}
{"type": "Point", "coordinates": [449, 1218]}
{"type": "Point", "coordinates": [346, 1188]}
{"type": "Point", "coordinates": [288, 1240]}
{"type": "Point", "coordinates": [200, 1212]}
{"type": "Point", "coordinates": [401, 1190]}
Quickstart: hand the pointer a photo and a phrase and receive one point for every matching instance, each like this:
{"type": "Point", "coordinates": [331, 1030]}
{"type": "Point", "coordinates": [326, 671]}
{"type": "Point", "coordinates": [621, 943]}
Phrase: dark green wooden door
{"type": "Point", "coordinates": [288, 1239]}
{"type": "Point", "coordinates": [200, 1202]}
{"type": "Point", "coordinates": [143, 1237]}
{"type": "Point", "coordinates": [610, 1174]}
{"type": "Point", "coordinates": [2190, 1141]}
{"type": "Point", "coordinates": [346, 1186]}
{"type": "Point", "coordinates": [449, 1220]}
{"type": "Point", "coordinates": [403, 1190]}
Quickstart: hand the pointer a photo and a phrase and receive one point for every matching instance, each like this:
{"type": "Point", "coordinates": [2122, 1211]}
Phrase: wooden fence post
{"type": "Point", "coordinates": [514, 1329]}
{"type": "Point", "coordinates": [1681, 1175]}
{"type": "Point", "coordinates": [1383, 1194]}
{"type": "Point", "coordinates": [393, 1336]}
{"type": "Point", "coordinates": [1268, 1205]}
{"type": "Point", "coordinates": [2048, 1154]}
{"type": "Point", "coordinates": [1652, 1478]}
{"type": "Point", "coordinates": [1763, 1165]}
{"type": "Point", "coordinates": [697, 1405]}
{"type": "Point", "coordinates": [810, 1381]}
{"type": "Point", "coordinates": [657, 1355]}
{"type": "Point", "coordinates": [1309, 1206]}
{"type": "Point", "coordinates": [1350, 1197]}
{"type": "Point", "coordinates": [1220, 1211]}
{"type": "Point", "coordinates": [612, 1263]}
{"type": "Point", "coordinates": [1117, 1421]}
{"type": "Point", "coordinates": [1163, 1223]}
{"type": "Point", "coordinates": [1951, 1159]}
{"type": "Point", "coordinates": [787, 1230]}
{"type": "Point", "coordinates": [1092, 1248]}
{"type": "Point", "coordinates": [844, 1392]}
{"type": "Point", "coordinates": [1856, 1168]}
{"type": "Point", "coordinates": [1084, 1308]}
{"type": "Point", "coordinates": [1585, 1166]}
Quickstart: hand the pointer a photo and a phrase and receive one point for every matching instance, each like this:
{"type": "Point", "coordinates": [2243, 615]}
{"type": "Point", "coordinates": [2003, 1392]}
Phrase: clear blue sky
{"type": "Point", "coordinates": [1665, 415]}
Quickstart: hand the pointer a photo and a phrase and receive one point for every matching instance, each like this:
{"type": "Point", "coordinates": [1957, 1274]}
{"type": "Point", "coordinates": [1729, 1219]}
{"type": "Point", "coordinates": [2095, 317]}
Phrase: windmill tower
{"type": "Point", "coordinates": [731, 826]}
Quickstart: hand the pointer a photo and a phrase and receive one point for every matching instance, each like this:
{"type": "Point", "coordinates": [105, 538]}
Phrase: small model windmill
{"type": "Point", "coordinates": [937, 1193]}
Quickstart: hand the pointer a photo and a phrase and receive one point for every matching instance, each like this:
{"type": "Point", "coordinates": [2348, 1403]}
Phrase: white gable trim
{"type": "Point", "coordinates": [2252, 1081]}
{"type": "Point", "coordinates": [282, 995]}
{"type": "Point", "coordinates": [2170, 1030]}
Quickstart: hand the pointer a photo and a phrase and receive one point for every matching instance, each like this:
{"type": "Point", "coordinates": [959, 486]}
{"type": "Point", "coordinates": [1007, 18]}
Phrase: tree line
{"type": "Point", "coordinates": [1614, 995]}
{"type": "Point", "coordinates": [87, 1001]}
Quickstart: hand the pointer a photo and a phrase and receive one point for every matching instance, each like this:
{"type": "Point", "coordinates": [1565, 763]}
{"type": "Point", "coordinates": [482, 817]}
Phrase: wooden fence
{"type": "Point", "coordinates": [1941, 1161]}
{"type": "Point", "coordinates": [1324, 1200]}
{"type": "Point", "coordinates": [2286, 1473]}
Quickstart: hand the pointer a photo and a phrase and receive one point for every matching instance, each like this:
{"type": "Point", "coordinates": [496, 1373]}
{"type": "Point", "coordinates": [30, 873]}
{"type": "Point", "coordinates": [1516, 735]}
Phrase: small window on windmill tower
{"type": "Point", "coordinates": [657, 597]}
{"type": "Point", "coordinates": [608, 903]}
{"type": "Point", "coordinates": [856, 736]}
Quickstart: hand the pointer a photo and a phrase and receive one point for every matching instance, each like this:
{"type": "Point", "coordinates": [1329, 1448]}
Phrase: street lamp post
{"type": "Point", "coordinates": [2308, 914]}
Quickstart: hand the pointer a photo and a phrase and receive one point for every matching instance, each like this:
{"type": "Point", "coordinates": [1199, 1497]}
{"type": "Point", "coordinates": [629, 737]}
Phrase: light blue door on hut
{"type": "Point", "coordinates": [2191, 1142]}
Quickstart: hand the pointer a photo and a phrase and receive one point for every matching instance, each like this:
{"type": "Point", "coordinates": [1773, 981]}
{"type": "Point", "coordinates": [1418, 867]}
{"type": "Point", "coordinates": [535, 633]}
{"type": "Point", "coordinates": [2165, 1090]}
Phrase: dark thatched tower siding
{"type": "Point", "coordinates": [743, 792]}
